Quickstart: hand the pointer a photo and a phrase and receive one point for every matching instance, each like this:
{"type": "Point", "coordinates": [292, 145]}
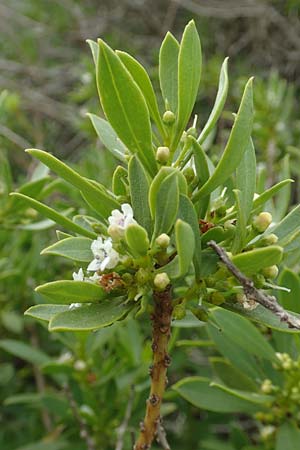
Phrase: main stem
{"type": "Point", "coordinates": [161, 331]}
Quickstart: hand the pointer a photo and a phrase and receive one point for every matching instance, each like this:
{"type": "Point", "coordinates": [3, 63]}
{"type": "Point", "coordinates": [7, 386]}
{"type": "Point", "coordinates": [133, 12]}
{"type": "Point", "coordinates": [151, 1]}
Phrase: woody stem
{"type": "Point", "coordinates": [161, 331]}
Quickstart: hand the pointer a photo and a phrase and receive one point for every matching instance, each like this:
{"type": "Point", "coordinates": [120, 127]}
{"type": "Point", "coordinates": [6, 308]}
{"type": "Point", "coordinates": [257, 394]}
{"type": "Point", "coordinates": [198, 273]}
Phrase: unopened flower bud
{"type": "Point", "coordinates": [267, 386]}
{"type": "Point", "coordinates": [217, 298]}
{"type": "Point", "coordinates": [189, 174]}
{"type": "Point", "coordinates": [179, 312]}
{"type": "Point", "coordinates": [271, 239]}
{"type": "Point", "coordinates": [262, 221]}
{"type": "Point", "coordinates": [114, 232]}
{"type": "Point", "coordinates": [161, 281]}
{"type": "Point", "coordinates": [270, 272]}
{"type": "Point", "coordinates": [162, 154]}
{"type": "Point", "coordinates": [163, 240]}
{"type": "Point", "coordinates": [169, 118]}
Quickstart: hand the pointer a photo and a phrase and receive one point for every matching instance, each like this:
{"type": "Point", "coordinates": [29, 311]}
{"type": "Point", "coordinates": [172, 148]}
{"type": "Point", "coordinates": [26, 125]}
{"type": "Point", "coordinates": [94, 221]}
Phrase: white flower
{"type": "Point", "coordinates": [105, 256]}
{"type": "Point", "coordinates": [94, 277]}
{"type": "Point", "coordinates": [78, 276]}
{"type": "Point", "coordinates": [75, 305]}
{"type": "Point", "coordinates": [120, 220]}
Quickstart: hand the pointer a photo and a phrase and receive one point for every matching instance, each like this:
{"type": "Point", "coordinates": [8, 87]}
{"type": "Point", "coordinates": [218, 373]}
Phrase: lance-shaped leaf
{"type": "Point", "coordinates": [203, 394]}
{"type": "Point", "coordinates": [24, 351]}
{"type": "Point", "coordinates": [246, 180]}
{"type": "Point", "coordinates": [125, 106]}
{"type": "Point", "coordinates": [202, 172]}
{"type": "Point", "coordinates": [55, 216]}
{"type": "Point", "coordinates": [232, 376]}
{"type": "Point", "coordinates": [189, 74]}
{"type": "Point", "coordinates": [137, 239]}
{"type": "Point", "coordinates": [45, 312]}
{"type": "Point", "coordinates": [108, 137]}
{"type": "Point", "coordinates": [166, 205]}
{"type": "Point", "coordinates": [185, 246]}
{"type": "Point", "coordinates": [94, 49]}
{"type": "Point", "coordinates": [269, 193]}
{"type": "Point", "coordinates": [142, 79]}
{"type": "Point", "coordinates": [236, 145]}
{"type": "Point", "coordinates": [168, 70]}
{"type": "Point", "coordinates": [68, 291]}
{"type": "Point", "coordinates": [119, 181]}
{"type": "Point", "coordinates": [187, 213]}
{"type": "Point", "coordinates": [255, 260]}
{"type": "Point", "coordinates": [139, 190]}
{"type": "Point", "coordinates": [289, 300]}
{"type": "Point", "coordinates": [75, 248]}
{"type": "Point", "coordinates": [90, 317]}
{"type": "Point", "coordinates": [98, 198]}
{"type": "Point", "coordinates": [288, 225]}
{"type": "Point", "coordinates": [241, 230]}
{"type": "Point", "coordinates": [219, 103]}
{"type": "Point", "coordinates": [287, 436]}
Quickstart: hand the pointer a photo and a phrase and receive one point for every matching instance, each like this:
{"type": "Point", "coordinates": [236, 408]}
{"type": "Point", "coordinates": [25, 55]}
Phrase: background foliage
{"type": "Point", "coordinates": [55, 387]}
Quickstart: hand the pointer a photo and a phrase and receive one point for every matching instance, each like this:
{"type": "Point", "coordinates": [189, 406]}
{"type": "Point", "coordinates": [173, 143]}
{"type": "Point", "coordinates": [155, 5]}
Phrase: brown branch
{"type": "Point", "coordinates": [123, 427]}
{"type": "Point", "coordinates": [252, 293]}
{"type": "Point", "coordinates": [161, 331]}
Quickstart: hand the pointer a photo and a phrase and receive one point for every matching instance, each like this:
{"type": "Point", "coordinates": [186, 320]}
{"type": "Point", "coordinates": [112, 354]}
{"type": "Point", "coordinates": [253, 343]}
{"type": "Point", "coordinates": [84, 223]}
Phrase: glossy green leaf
{"type": "Point", "coordinates": [142, 79]}
{"type": "Point", "coordinates": [187, 213]}
{"type": "Point", "coordinates": [231, 376]}
{"type": "Point", "coordinates": [90, 317]}
{"type": "Point", "coordinates": [76, 248]}
{"type": "Point", "coordinates": [69, 291]}
{"type": "Point", "coordinates": [139, 190]}
{"type": "Point", "coordinates": [237, 328]}
{"type": "Point", "coordinates": [98, 198]}
{"type": "Point", "coordinates": [166, 205]}
{"type": "Point", "coordinates": [288, 225]}
{"type": "Point", "coordinates": [246, 180]}
{"type": "Point", "coordinates": [217, 234]}
{"type": "Point", "coordinates": [269, 193]}
{"type": "Point", "coordinates": [287, 437]}
{"type": "Point", "coordinates": [219, 103]}
{"type": "Point", "coordinates": [45, 312]}
{"type": "Point", "coordinates": [200, 392]}
{"type": "Point", "coordinates": [108, 137]}
{"type": "Point", "coordinates": [263, 316]}
{"type": "Point", "coordinates": [125, 106]}
{"type": "Point", "coordinates": [189, 74]}
{"type": "Point", "coordinates": [94, 49]}
{"type": "Point", "coordinates": [236, 145]}
{"type": "Point", "coordinates": [254, 260]}
{"type": "Point", "coordinates": [55, 216]}
{"type": "Point", "coordinates": [137, 239]}
{"type": "Point", "coordinates": [168, 71]}
{"type": "Point", "coordinates": [24, 351]}
{"type": "Point", "coordinates": [289, 300]}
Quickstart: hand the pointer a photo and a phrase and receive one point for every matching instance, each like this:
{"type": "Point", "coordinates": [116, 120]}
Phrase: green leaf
{"type": "Point", "coordinates": [287, 437]}
{"type": "Point", "coordinates": [236, 145]}
{"type": "Point", "coordinates": [55, 216]}
{"type": "Point", "coordinates": [201, 393]}
{"type": "Point", "coordinates": [24, 351]}
{"type": "Point", "coordinates": [94, 49]}
{"type": "Point", "coordinates": [119, 181]}
{"type": "Point", "coordinates": [125, 106]}
{"type": "Point", "coordinates": [254, 260]}
{"type": "Point", "coordinates": [237, 328]}
{"type": "Point", "coordinates": [187, 213]}
{"type": "Point", "coordinates": [168, 71]}
{"type": "Point", "coordinates": [142, 79]}
{"type": "Point", "coordinates": [98, 198]}
{"type": "Point", "coordinates": [288, 225]}
{"type": "Point", "coordinates": [108, 137]}
{"type": "Point", "coordinates": [69, 291]}
{"type": "Point", "coordinates": [139, 191]}
{"type": "Point", "coordinates": [166, 205]}
{"type": "Point", "coordinates": [219, 103]}
{"type": "Point", "coordinates": [42, 445]}
{"type": "Point", "coordinates": [90, 317]}
{"type": "Point", "coordinates": [189, 74]}
{"type": "Point", "coordinates": [217, 234]}
{"type": "Point", "coordinates": [289, 300]}
{"type": "Point", "coordinates": [269, 193]}
{"type": "Point", "coordinates": [76, 248]}
{"type": "Point", "coordinates": [45, 312]}
{"type": "Point", "coordinates": [240, 234]}
{"type": "Point", "coordinates": [231, 376]}
{"type": "Point", "coordinates": [284, 196]}
{"type": "Point", "coordinates": [137, 239]}
{"type": "Point", "coordinates": [263, 316]}
{"type": "Point", "coordinates": [246, 180]}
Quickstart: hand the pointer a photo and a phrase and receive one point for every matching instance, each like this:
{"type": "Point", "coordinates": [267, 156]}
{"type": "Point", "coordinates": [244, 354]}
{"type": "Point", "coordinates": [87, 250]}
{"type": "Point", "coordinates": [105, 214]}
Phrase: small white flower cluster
{"type": "Point", "coordinates": [105, 256]}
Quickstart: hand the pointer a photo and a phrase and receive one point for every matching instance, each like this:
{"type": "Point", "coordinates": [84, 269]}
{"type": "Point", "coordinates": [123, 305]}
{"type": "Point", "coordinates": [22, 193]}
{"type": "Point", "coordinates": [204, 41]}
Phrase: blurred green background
{"type": "Point", "coordinates": [47, 85]}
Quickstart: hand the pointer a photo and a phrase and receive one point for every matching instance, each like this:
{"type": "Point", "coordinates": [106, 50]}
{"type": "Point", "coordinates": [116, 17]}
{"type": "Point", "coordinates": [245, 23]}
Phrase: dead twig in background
{"type": "Point", "coordinates": [124, 425]}
{"type": "Point", "coordinates": [162, 437]}
{"type": "Point", "coordinates": [252, 293]}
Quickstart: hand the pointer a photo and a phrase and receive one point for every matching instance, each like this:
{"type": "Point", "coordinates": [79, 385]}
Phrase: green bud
{"type": "Point", "coordinates": [162, 154]}
{"type": "Point", "coordinates": [137, 239]}
{"type": "Point", "coordinates": [179, 312]}
{"type": "Point", "coordinates": [163, 240]}
{"type": "Point", "coordinates": [259, 280]}
{"type": "Point", "coordinates": [267, 386]}
{"type": "Point", "coordinates": [168, 118]}
{"type": "Point", "coordinates": [161, 281]}
{"type": "Point", "coordinates": [217, 298]}
{"type": "Point", "coordinates": [115, 232]}
{"type": "Point", "coordinates": [270, 272]}
{"type": "Point", "coordinates": [262, 221]}
{"type": "Point", "coordinates": [189, 174]}
{"type": "Point", "coordinates": [271, 239]}
{"type": "Point", "coordinates": [192, 132]}
{"type": "Point", "coordinates": [142, 276]}
{"type": "Point", "coordinates": [201, 314]}
{"type": "Point", "coordinates": [221, 211]}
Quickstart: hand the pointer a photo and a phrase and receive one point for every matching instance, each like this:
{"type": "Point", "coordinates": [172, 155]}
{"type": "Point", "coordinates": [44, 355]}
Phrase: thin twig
{"type": "Point", "coordinates": [124, 425]}
{"type": "Point", "coordinates": [252, 293]}
{"type": "Point", "coordinates": [161, 436]}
